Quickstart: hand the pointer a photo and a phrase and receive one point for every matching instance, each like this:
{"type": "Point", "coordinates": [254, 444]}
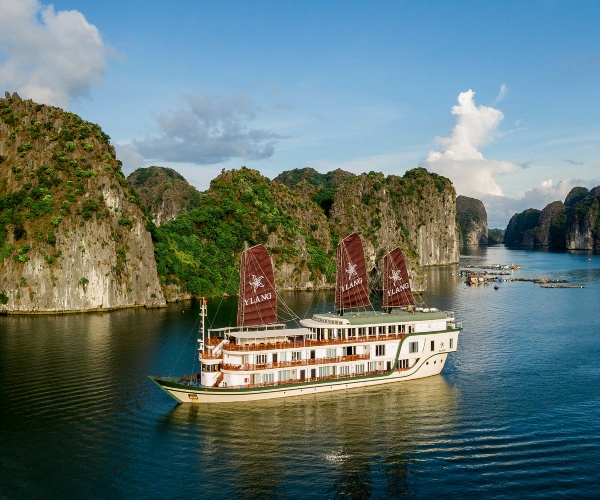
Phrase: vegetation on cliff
{"type": "Point", "coordinates": [198, 251]}
{"type": "Point", "coordinates": [495, 236]}
{"type": "Point", "coordinates": [62, 192]}
{"type": "Point", "coordinates": [321, 188]}
{"type": "Point", "coordinates": [73, 235]}
{"type": "Point", "coordinates": [574, 224]}
{"type": "Point", "coordinates": [164, 192]}
{"type": "Point", "coordinates": [472, 221]}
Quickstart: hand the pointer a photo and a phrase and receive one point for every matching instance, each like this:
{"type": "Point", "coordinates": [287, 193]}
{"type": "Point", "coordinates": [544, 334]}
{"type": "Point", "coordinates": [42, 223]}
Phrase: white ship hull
{"type": "Point", "coordinates": [427, 365]}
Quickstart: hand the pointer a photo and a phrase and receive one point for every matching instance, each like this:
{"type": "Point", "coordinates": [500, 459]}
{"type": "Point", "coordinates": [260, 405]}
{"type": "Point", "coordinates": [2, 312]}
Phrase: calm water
{"type": "Point", "coordinates": [516, 411]}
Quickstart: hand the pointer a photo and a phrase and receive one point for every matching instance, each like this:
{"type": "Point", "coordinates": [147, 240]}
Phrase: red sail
{"type": "Point", "coordinates": [396, 285]}
{"type": "Point", "coordinates": [257, 303]}
{"type": "Point", "coordinates": [351, 287]}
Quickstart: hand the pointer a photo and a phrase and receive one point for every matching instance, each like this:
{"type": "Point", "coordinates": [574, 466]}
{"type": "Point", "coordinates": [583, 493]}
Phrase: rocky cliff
{"type": "Point", "coordinates": [583, 219]}
{"type": "Point", "coordinates": [572, 225]}
{"type": "Point", "coordinates": [197, 252]}
{"type": "Point", "coordinates": [164, 193]}
{"type": "Point", "coordinates": [551, 226]}
{"type": "Point", "coordinates": [72, 235]}
{"type": "Point", "coordinates": [472, 221]}
{"type": "Point", "coordinates": [522, 228]}
{"type": "Point", "coordinates": [416, 211]}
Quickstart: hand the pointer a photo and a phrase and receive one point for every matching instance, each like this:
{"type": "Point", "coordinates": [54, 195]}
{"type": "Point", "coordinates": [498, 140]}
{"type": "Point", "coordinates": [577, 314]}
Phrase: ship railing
{"type": "Point", "coordinates": [210, 355]}
{"type": "Point", "coordinates": [214, 341]}
{"type": "Point", "coordinates": [307, 379]}
{"type": "Point", "coordinates": [300, 362]}
{"type": "Point", "coordinates": [315, 343]}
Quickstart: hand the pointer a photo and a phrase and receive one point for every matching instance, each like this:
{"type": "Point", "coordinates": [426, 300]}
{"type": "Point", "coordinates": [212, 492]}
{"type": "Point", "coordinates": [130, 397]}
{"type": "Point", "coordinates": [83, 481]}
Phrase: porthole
{"type": "Point", "coordinates": [427, 362]}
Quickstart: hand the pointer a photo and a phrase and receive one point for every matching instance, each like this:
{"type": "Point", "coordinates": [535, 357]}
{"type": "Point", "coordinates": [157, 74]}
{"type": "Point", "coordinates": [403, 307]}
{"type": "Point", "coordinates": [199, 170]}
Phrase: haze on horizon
{"type": "Point", "coordinates": [499, 97]}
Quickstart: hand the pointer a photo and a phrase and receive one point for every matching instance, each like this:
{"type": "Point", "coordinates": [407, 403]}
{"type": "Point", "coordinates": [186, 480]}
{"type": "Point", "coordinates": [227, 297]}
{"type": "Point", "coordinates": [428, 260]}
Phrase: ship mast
{"type": "Point", "coordinates": [202, 330]}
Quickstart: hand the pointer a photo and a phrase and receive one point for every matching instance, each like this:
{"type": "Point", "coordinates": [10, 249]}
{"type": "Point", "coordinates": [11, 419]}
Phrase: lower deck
{"type": "Point", "coordinates": [179, 389]}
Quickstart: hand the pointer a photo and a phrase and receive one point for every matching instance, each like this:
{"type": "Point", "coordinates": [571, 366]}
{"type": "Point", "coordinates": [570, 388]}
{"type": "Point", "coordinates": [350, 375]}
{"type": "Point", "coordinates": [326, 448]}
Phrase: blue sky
{"type": "Point", "coordinates": [501, 97]}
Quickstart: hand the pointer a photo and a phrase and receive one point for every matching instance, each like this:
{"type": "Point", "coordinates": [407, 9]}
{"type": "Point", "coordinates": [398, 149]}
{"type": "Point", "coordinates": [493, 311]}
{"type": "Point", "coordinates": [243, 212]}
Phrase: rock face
{"type": "Point", "coordinates": [164, 193]}
{"type": "Point", "coordinates": [472, 221]}
{"type": "Point", "coordinates": [417, 212]}
{"type": "Point", "coordinates": [552, 226]}
{"type": "Point", "coordinates": [72, 234]}
{"type": "Point", "coordinates": [583, 224]}
{"type": "Point", "coordinates": [522, 228]}
{"type": "Point", "coordinates": [572, 225]}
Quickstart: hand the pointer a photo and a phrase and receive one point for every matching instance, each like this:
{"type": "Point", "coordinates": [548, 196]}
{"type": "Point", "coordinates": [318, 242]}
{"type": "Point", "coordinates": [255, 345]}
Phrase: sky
{"type": "Point", "coordinates": [500, 97]}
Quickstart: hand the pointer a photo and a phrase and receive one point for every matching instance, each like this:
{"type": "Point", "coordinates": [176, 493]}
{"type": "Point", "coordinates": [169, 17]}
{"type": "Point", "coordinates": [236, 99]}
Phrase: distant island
{"type": "Point", "coordinates": [570, 225]}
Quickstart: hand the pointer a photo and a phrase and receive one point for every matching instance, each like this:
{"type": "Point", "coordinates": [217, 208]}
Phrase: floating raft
{"type": "Point", "coordinates": [562, 286]}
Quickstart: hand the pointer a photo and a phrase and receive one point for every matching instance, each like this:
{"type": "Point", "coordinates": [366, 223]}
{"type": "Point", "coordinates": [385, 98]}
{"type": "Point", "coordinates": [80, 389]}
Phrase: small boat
{"type": "Point", "coordinates": [496, 287]}
{"type": "Point", "coordinates": [357, 346]}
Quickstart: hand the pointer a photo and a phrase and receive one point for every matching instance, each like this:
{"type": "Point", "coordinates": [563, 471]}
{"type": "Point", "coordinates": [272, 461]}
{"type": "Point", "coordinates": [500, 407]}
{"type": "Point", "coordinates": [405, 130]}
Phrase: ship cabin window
{"type": "Point", "coordinates": [267, 378]}
{"type": "Point", "coordinates": [433, 345]}
{"type": "Point", "coordinates": [382, 330]}
{"type": "Point", "coordinates": [371, 331]}
{"type": "Point", "coordinates": [284, 375]}
{"type": "Point", "coordinates": [451, 343]}
{"type": "Point", "coordinates": [274, 357]}
{"type": "Point", "coordinates": [282, 356]}
{"type": "Point", "coordinates": [371, 366]}
{"type": "Point", "coordinates": [324, 371]}
{"type": "Point", "coordinates": [261, 359]}
{"type": "Point", "coordinates": [392, 329]}
{"type": "Point", "coordinates": [344, 370]}
{"type": "Point", "coordinates": [350, 350]}
{"type": "Point", "coordinates": [296, 355]}
{"type": "Point", "coordinates": [362, 332]}
{"type": "Point", "coordinates": [413, 347]}
{"type": "Point", "coordinates": [380, 350]}
{"type": "Point", "coordinates": [331, 353]}
{"type": "Point", "coordinates": [313, 354]}
{"type": "Point", "coordinates": [360, 368]}
{"type": "Point", "coordinates": [403, 363]}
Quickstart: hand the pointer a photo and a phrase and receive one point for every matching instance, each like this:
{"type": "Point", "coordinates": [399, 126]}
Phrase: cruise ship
{"type": "Point", "coordinates": [356, 346]}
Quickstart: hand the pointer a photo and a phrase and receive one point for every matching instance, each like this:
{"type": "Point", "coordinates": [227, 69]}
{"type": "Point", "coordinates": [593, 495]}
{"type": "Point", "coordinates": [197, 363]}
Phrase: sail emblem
{"type": "Point", "coordinates": [256, 282]}
{"type": "Point", "coordinates": [351, 270]}
{"type": "Point", "coordinates": [396, 276]}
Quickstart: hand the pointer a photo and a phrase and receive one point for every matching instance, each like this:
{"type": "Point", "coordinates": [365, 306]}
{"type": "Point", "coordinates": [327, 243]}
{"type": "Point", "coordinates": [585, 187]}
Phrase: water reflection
{"type": "Point", "coordinates": [358, 443]}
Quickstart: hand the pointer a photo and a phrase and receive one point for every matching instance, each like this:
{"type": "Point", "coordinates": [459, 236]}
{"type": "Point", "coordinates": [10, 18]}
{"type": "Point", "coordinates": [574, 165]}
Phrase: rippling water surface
{"type": "Point", "coordinates": [516, 411]}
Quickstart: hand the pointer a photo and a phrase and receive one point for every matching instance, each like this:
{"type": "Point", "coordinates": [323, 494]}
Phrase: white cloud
{"type": "Point", "coordinates": [50, 57]}
{"type": "Point", "coordinates": [501, 208]}
{"type": "Point", "coordinates": [460, 158]}
{"type": "Point", "coordinates": [208, 130]}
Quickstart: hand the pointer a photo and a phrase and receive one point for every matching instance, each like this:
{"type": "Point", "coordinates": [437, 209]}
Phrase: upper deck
{"type": "Point", "coordinates": [375, 318]}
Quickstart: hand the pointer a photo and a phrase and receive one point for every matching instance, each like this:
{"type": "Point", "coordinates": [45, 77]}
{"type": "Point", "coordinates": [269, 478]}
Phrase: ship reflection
{"type": "Point", "coordinates": [361, 443]}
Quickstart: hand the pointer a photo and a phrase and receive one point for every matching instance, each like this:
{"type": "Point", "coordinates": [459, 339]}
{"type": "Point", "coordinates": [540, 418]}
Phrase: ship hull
{"type": "Point", "coordinates": [191, 394]}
